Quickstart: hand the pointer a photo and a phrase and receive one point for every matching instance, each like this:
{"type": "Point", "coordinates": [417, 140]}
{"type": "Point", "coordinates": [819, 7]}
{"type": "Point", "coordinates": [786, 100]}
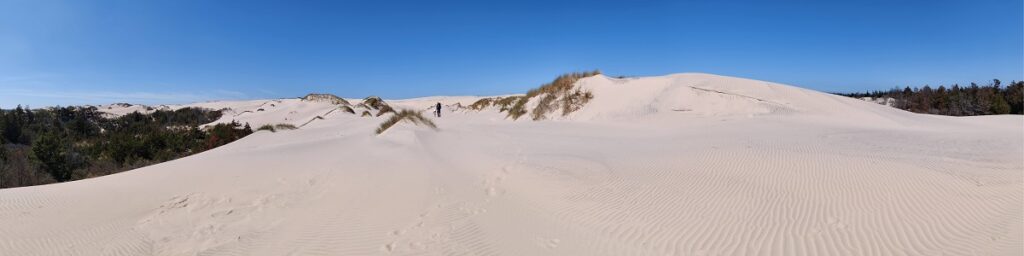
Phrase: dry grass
{"type": "Point", "coordinates": [561, 84]}
{"type": "Point", "coordinates": [575, 100]}
{"type": "Point", "coordinates": [559, 93]}
{"type": "Point", "coordinates": [366, 113]}
{"type": "Point", "coordinates": [325, 97]}
{"type": "Point", "coordinates": [545, 105]}
{"type": "Point", "coordinates": [556, 94]}
{"type": "Point", "coordinates": [506, 103]}
{"type": "Point", "coordinates": [348, 109]}
{"type": "Point", "coordinates": [276, 127]}
{"type": "Point", "coordinates": [518, 108]}
{"type": "Point", "coordinates": [374, 102]}
{"type": "Point", "coordinates": [482, 103]}
{"type": "Point", "coordinates": [408, 115]}
{"type": "Point", "coordinates": [384, 110]}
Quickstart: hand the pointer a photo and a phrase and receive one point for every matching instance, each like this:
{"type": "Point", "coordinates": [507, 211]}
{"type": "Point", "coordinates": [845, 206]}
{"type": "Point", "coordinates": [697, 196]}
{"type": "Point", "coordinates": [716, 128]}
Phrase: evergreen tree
{"type": "Point", "coordinates": [999, 106]}
{"type": "Point", "coordinates": [50, 153]}
{"type": "Point", "coordinates": [955, 100]}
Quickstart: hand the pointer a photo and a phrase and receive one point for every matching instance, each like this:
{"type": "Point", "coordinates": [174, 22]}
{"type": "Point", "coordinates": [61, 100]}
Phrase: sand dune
{"type": "Point", "coordinates": [686, 164]}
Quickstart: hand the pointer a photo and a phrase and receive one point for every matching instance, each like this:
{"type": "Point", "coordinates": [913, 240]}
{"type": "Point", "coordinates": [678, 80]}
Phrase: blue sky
{"type": "Point", "coordinates": [89, 52]}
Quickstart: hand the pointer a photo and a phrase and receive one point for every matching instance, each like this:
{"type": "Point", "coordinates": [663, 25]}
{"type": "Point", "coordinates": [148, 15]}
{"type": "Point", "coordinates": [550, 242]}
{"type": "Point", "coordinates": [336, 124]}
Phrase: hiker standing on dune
{"type": "Point", "coordinates": [438, 111]}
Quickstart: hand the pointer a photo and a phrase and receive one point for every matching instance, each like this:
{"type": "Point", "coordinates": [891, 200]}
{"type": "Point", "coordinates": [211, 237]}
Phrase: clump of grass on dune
{"type": "Point", "coordinates": [557, 94]}
{"type": "Point", "coordinates": [545, 105]}
{"type": "Point", "coordinates": [374, 102]}
{"type": "Point", "coordinates": [482, 103]}
{"type": "Point", "coordinates": [575, 100]}
{"type": "Point", "coordinates": [506, 103]}
{"type": "Point", "coordinates": [561, 84]}
{"type": "Point", "coordinates": [276, 127]}
{"type": "Point", "coordinates": [405, 115]}
{"type": "Point", "coordinates": [348, 109]}
{"type": "Point", "coordinates": [385, 109]}
{"type": "Point", "coordinates": [366, 113]}
{"type": "Point", "coordinates": [518, 107]}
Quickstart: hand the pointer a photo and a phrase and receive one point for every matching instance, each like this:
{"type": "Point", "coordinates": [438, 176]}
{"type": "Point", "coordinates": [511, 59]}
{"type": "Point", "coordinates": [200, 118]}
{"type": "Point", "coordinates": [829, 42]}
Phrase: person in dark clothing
{"type": "Point", "coordinates": [438, 111]}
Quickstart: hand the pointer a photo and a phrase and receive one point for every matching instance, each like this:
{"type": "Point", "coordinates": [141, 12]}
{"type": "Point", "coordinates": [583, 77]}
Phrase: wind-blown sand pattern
{"type": "Point", "coordinates": [687, 164]}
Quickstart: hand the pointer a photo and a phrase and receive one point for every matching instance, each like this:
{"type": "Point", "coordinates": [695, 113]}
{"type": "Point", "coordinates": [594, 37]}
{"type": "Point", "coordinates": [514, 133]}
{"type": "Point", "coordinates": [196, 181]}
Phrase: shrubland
{"type": "Point", "coordinates": [60, 144]}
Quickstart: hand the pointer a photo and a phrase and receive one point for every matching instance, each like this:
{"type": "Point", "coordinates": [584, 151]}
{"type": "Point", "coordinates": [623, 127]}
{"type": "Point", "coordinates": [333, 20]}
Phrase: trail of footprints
{"type": "Point", "coordinates": [447, 226]}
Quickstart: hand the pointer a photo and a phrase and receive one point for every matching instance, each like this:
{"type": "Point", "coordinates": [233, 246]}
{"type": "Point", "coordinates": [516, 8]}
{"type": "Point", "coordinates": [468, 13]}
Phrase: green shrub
{"type": "Point", "coordinates": [408, 115]}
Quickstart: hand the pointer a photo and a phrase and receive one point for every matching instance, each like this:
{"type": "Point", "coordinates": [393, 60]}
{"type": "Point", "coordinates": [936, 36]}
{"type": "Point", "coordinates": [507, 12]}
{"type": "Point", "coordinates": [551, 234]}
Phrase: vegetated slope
{"type": "Point", "coordinates": [751, 168]}
{"type": "Point", "coordinates": [40, 146]}
{"type": "Point", "coordinates": [991, 99]}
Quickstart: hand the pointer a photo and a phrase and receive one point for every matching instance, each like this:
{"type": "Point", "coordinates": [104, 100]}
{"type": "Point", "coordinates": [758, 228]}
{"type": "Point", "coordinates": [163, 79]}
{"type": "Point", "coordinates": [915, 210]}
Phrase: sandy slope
{"type": "Point", "coordinates": [687, 164]}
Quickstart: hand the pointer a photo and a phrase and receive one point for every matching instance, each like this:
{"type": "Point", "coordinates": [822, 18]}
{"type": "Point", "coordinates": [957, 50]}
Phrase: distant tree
{"type": "Point", "coordinates": [1014, 95]}
{"type": "Point", "coordinates": [956, 100]}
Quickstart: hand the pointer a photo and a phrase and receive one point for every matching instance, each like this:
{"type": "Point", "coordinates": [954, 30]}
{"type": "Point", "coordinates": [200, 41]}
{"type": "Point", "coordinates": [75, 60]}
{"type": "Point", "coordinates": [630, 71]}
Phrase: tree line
{"type": "Point", "coordinates": [40, 146]}
{"type": "Point", "coordinates": [956, 100]}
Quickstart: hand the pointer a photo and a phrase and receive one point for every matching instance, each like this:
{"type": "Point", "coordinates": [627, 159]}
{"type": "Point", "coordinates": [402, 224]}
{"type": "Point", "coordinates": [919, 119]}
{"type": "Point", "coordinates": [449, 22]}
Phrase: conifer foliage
{"type": "Point", "coordinates": [991, 99]}
{"type": "Point", "coordinates": [40, 146]}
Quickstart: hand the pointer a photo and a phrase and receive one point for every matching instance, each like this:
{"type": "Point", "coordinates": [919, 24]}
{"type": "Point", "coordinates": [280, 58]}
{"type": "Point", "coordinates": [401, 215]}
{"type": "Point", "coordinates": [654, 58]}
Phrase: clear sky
{"type": "Point", "coordinates": [89, 52]}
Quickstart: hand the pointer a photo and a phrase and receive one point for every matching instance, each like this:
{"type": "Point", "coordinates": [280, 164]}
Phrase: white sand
{"type": "Point", "coordinates": [687, 164]}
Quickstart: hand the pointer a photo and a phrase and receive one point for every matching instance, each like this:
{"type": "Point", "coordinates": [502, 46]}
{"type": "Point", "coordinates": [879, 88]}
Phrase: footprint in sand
{"type": "Point", "coordinates": [832, 221]}
{"type": "Point", "coordinates": [548, 243]}
{"type": "Point", "coordinates": [389, 247]}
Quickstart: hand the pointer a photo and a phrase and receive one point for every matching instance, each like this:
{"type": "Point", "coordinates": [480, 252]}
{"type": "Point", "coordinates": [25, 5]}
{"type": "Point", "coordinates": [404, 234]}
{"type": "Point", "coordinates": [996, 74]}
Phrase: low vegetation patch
{"type": "Point", "coordinates": [276, 127]}
{"type": "Point", "coordinates": [992, 99]}
{"type": "Point", "coordinates": [555, 95]}
{"type": "Point", "coordinates": [325, 97]}
{"type": "Point", "coordinates": [544, 105]}
{"type": "Point", "coordinates": [41, 146]}
{"type": "Point", "coordinates": [348, 109]}
{"type": "Point", "coordinates": [405, 115]}
{"type": "Point", "coordinates": [366, 113]}
{"type": "Point", "coordinates": [374, 102]}
{"type": "Point", "coordinates": [575, 101]}
{"type": "Point", "coordinates": [384, 110]}
{"type": "Point", "coordinates": [561, 84]}
{"type": "Point", "coordinates": [506, 103]}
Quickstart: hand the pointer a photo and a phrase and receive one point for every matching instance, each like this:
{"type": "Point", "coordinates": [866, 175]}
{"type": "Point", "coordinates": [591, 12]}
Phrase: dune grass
{"type": "Point", "coordinates": [384, 109]}
{"type": "Point", "coordinates": [557, 94]}
{"type": "Point", "coordinates": [482, 103]}
{"type": "Point", "coordinates": [348, 109]}
{"type": "Point", "coordinates": [561, 84]}
{"type": "Point", "coordinates": [406, 115]}
{"type": "Point", "coordinates": [545, 105]}
{"type": "Point", "coordinates": [276, 127]}
{"type": "Point", "coordinates": [366, 113]}
{"type": "Point", "coordinates": [575, 100]}
{"type": "Point", "coordinates": [374, 102]}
